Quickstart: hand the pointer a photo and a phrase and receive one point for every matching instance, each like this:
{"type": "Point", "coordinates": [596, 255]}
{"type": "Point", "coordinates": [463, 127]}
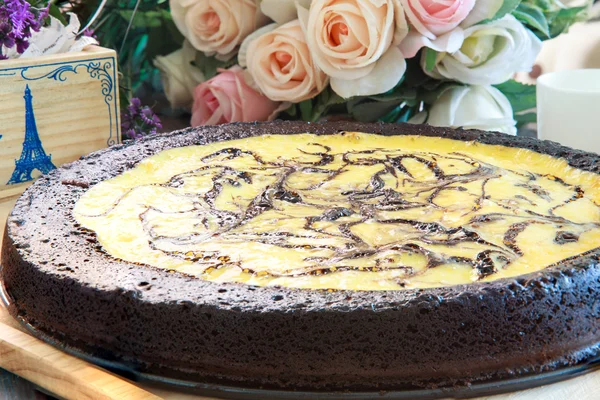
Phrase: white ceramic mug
{"type": "Point", "coordinates": [568, 108]}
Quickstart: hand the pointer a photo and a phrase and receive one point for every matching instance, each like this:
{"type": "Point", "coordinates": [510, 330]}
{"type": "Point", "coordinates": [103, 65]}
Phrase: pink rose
{"type": "Point", "coordinates": [227, 98]}
{"type": "Point", "coordinates": [433, 18]}
{"type": "Point", "coordinates": [435, 23]}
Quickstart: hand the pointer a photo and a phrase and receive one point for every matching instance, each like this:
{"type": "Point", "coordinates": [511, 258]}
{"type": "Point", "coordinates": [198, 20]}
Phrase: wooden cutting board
{"type": "Point", "coordinates": [68, 377]}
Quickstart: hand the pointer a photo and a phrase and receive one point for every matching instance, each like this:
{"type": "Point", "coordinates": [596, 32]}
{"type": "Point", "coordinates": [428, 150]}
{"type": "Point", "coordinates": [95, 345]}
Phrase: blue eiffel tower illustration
{"type": "Point", "coordinates": [33, 155]}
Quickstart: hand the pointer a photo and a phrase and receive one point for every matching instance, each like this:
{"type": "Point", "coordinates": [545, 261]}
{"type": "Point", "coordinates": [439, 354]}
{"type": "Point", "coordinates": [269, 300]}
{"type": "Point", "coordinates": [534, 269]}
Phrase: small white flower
{"type": "Point", "coordinates": [473, 107]}
{"type": "Point", "coordinates": [490, 54]}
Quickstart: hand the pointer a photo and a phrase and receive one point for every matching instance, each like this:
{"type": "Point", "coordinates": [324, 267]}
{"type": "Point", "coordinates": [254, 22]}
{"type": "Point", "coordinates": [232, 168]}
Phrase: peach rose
{"type": "Point", "coordinates": [227, 98]}
{"type": "Point", "coordinates": [281, 65]}
{"type": "Point", "coordinates": [436, 24]}
{"type": "Point", "coordinates": [351, 41]}
{"type": "Point", "coordinates": [217, 26]}
{"type": "Point", "coordinates": [282, 11]}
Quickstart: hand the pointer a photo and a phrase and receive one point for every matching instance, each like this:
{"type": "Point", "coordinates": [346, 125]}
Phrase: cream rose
{"type": "Point", "coordinates": [282, 11]}
{"type": "Point", "coordinates": [179, 76]}
{"type": "Point", "coordinates": [473, 107]}
{"type": "Point", "coordinates": [351, 41]}
{"type": "Point", "coordinates": [490, 54]}
{"type": "Point", "coordinates": [217, 26]}
{"type": "Point", "coordinates": [281, 66]}
{"type": "Point", "coordinates": [227, 98]}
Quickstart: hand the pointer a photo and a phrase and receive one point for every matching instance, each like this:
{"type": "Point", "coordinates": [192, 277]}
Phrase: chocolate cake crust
{"type": "Point", "coordinates": [61, 282]}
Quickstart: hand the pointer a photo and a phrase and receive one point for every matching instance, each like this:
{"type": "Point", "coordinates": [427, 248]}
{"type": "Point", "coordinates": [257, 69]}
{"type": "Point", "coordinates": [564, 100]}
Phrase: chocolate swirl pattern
{"type": "Point", "coordinates": [347, 211]}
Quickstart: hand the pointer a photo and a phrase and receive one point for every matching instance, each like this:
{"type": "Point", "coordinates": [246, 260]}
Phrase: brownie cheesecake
{"type": "Point", "coordinates": [334, 256]}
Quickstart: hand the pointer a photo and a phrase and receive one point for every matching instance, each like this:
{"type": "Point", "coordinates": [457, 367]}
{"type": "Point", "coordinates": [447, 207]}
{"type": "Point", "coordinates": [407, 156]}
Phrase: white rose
{"type": "Point", "coordinates": [490, 54]}
{"type": "Point", "coordinates": [282, 11]}
{"type": "Point", "coordinates": [217, 26]}
{"type": "Point", "coordinates": [351, 41]}
{"type": "Point", "coordinates": [473, 107]}
{"type": "Point", "coordinates": [179, 76]}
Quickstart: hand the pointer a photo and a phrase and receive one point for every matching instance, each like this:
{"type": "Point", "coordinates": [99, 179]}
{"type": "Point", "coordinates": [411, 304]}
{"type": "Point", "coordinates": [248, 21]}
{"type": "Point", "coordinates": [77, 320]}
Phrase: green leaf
{"type": "Point", "coordinates": [398, 94]}
{"type": "Point", "coordinates": [430, 58]}
{"type": "Point", "coordinates": [543, 4]}
{"type": "Point", "coordinates": [145, 19]}
{"type": "Point", "coordinates": [209, 65]}
{"type": "Point", "coordinates": [292, 111]}
{"type": "Point", "coordinates": [323, 102]}
{"type": "Point", "coordinates": [306, 110]}
{"type": "Point", "coordinates": [525, 118]}
{"type": "Point", "coordinates": [430, 95]}
{"type": "Point", "coordinates": [521, 97]}
{"type": "Point", "coordinates": [533, 17]}
{"type": "Point", "coordinates": [162, 40]}
{"type": "Point", "coordinates": [561, 20]}
{"type": "Point", "coordinates": [173, 32]}
{"type": "Point", "coordinates": [316, 108]}
{"type": "Point", "coordinates": [372, 111]}
{"type": "Point", "coordinates": [401, 113]}
{"type": "Point", "coordinates": [55, 12]}
{"type": "Point", "coordinates": [383, 107]}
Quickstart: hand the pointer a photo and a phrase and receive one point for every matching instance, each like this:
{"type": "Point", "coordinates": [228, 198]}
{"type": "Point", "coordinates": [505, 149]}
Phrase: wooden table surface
{"type": "Point", "coordinates": [71, 378]}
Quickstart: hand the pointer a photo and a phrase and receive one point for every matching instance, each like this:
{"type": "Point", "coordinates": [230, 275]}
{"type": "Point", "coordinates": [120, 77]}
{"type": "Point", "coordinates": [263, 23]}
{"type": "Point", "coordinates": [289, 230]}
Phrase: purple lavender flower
{"type": "Point", "coordinates": [90, 33]}
{"type": "Point", "coordinates": [138, 121]}
{"type": "Point", "coordinates": [22, 45]}
{"type": "Point", "coordinates": [6, 38]}
{"type": "Point", "coordinates": [18, 21]}
{"type": "Point", "coordinates": [134, 106]}
{"type": "Point", "coordinates": [149, 118]}
{"type": "Point", "coordinates": [20, 16]}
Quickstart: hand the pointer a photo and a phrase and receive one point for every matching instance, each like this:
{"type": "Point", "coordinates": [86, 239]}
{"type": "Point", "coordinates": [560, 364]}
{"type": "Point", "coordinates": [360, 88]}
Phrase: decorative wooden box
{"type": "Point", "coordinates": [54, 110]}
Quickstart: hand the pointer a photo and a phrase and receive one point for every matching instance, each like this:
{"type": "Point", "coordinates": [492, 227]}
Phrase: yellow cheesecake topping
{"type": "Point", "coordinates": [349, 211]}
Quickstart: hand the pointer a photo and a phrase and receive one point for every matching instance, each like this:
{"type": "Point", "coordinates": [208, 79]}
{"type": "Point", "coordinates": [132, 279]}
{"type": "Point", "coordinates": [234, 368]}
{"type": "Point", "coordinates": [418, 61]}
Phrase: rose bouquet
{"type": "Point", "coordinates": [443, 62]}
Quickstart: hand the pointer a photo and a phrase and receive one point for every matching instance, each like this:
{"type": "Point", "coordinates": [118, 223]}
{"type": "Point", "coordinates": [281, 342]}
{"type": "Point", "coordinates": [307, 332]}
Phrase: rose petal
{"type": "Point", "coordinates": [242, 54]}
{"type": "Point", "coordinates": [217, 26]}
{"type": "Point", "coordinates": [443, 110]}
{"type": "Point", "coordinates": [449, 42]}
{"type": "Point", "coordinates": [282, 11]}
{"type": "Point", "coordinates": [401, 29]}
{"type": "Point", "coordinates": [178, 11]}
{"type": "Point", "coordinates": [514, 49]}
{"type": "Point", "coordinates": [483, 9]}
{"type": "Point", "coordinates": [433, 18]}
{"type": "Point", "coordinates": [367, 28]}
{"type": "Point", "coordinates": [385, 75]}
{"type": "Point", "coordinates": [281, 65]}
{"type": "Point", "coordinates": [473, 107]}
